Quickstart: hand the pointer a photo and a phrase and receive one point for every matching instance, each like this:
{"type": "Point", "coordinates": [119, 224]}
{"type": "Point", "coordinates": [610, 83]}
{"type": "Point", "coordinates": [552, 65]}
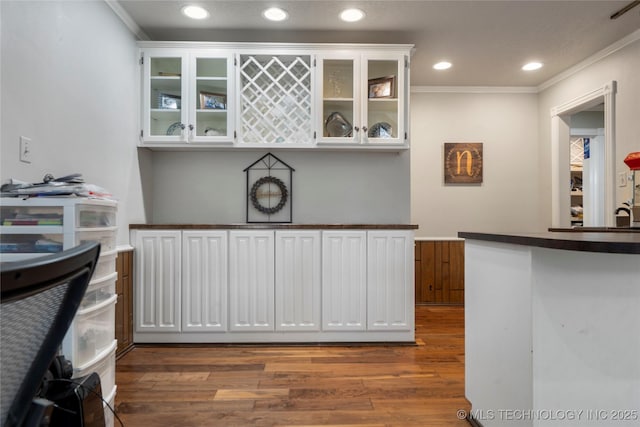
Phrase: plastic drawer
{"type": "Point", "coordinates": [91, 333]}
{"type": "Point", "coordinates": [36, 216]}
{"type": "Point", "coordinates": [90, 216]}
{"type": "Point", "coordinates": [106, 265]}
{"type": "Point", "coordinates": [31, 243]}
{"type": "Point", "coordinates": [104, 364]}
{"type": "Point", "coordinates": [99, 290]}
{"type": "Point", "coordinates": [106, 238]}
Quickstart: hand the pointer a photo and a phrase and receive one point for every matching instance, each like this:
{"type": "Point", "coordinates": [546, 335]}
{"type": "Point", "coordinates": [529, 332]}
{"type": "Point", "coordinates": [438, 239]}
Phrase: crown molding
{"type": "Point", "coordinates": [127, 20]}
{"type": "Point", "coordinates": [609, 50]}
{"type": "Point", "coordinates": [474, 89]}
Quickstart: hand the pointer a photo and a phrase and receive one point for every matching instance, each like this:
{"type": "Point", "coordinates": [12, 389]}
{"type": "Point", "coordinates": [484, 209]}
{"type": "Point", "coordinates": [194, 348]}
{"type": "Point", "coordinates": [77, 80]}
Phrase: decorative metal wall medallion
{"type": "Point", "coordinates": [269, 196]}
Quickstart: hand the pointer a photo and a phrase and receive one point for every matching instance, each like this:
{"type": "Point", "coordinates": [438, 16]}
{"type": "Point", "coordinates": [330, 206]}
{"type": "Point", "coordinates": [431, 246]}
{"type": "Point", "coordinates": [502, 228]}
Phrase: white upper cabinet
{"type": "Point", "coordinates": [362, 99]}
{"type": "Point", "coordinates": [270, 95]}
{"type": "Point", "coordinates": [186, 97]}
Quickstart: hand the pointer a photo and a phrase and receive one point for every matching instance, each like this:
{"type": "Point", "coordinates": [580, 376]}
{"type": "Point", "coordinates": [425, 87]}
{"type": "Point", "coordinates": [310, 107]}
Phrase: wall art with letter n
{"type": "Point", "coordinates": [463, 162]}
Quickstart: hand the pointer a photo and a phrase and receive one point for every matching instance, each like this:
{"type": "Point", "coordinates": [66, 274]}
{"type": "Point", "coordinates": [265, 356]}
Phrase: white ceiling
{"type": "Point", "coordinates": [487, 41]}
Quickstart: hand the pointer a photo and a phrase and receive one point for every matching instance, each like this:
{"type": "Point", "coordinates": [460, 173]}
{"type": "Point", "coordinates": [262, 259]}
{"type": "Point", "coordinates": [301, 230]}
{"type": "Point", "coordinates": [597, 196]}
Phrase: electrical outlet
{"type": "Point", "coordinates": [622, 179]}
{"type": "Point", "coordinates": [25, 149]}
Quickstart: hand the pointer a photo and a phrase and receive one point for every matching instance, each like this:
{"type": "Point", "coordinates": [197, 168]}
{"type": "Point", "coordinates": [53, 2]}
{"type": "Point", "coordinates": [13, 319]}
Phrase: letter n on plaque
{"type": "Point", "coordinates": [463, 162]}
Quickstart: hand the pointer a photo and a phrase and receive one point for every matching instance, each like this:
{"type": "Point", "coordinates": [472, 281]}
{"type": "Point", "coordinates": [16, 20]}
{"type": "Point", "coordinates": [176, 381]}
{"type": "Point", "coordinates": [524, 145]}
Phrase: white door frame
{"type": "Point", "coordinates": [560, 133]}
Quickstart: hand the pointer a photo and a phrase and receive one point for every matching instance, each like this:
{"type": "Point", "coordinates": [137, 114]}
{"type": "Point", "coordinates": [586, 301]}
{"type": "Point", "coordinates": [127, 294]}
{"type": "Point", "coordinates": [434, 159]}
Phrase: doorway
{"type": "Point", "coordinates": [587, 170]}
{"type": "Point", "coordinates": [603, 185]}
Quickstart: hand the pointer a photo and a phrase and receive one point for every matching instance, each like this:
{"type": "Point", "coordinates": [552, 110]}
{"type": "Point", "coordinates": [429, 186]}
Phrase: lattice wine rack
{"type": "Point", "coordinates": [275, 99]}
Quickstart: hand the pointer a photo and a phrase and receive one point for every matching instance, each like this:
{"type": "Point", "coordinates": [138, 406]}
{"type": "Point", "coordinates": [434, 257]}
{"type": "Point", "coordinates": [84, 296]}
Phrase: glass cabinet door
{"type": "Point", "coordinates": [187, 96]}
{"type": "Point", "coordinates": [362, 99]}
{"type": "Point", "coordinates": [209, 118]}
{"type": "Point", "coordinates": [340, 119]}
{"type": "Point", "coordinates": [384, 108]}
{"type": "Point", "coordinates": [165, 116]}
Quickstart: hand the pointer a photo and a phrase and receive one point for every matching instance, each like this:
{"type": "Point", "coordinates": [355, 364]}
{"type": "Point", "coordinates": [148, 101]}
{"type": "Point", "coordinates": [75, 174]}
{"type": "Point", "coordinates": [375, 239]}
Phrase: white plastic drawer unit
{"type": "Point", "coordinates": [91, 332]}
{"type": "Point", "coordinates": [95, 216]}
{"type": "Point", "coordinates": [99, 290]}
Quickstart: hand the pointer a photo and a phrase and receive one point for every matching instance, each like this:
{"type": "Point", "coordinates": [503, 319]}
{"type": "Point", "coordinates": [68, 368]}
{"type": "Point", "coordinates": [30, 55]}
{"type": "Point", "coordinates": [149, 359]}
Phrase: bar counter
{"type": "Point", "coordinates": [552, 328]}
{"type": "Point", "coordinates": [593, 241]}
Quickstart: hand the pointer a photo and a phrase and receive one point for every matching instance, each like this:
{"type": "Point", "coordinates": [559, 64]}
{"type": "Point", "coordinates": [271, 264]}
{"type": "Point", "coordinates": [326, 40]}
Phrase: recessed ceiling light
{"type": "Point", "coordinates": [532, 66]}
{"type": "Point", "coordinates": [275, 14]}
{"type": "Point", "coordinates": [351, 15]}
{"type": "Point", "coordinates": [195, 12]}
{"type": "Point", "coordinates": [444, 65]}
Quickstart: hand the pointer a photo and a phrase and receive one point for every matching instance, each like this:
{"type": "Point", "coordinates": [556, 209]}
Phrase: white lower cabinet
{"type": "Point", "coordinates": [204, 269]}
{"type": "Point", "coordinates": [251, 280]}
{"type": "Point", "coordinates": [297, 285]}
{"type": "Point", "coordinates": [390, 302]}
{"type": "Point", "coordinates": [158, 280]}
{"type": "Point", "coordinates": [344, 280]}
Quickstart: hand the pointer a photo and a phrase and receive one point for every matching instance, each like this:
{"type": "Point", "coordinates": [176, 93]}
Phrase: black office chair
{"type": "Point", "coordinates": [40, 298]}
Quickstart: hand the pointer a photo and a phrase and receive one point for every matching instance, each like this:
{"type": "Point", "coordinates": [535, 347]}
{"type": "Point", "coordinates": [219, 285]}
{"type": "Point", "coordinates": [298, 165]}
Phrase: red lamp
{"type": "Point", "coordinates": [633, 161]}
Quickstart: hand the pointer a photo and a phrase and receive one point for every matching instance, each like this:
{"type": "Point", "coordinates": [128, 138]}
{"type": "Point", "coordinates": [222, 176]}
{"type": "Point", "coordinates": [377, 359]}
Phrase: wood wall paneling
{"type": "Point", "coordinates": [124, 305]}
{"type": "Point", "coordinates": [439, 272]}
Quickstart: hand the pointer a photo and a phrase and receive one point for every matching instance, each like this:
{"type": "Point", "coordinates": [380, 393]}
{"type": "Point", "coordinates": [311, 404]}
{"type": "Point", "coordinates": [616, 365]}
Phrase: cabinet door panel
{"type": "Point", "coordinates": [157, 292]}
{"type": "Point", "coordinates": [298, 280]}
{"type": "Point", "coordinates": [383, 113]}
{"type": "Point", "coordinates": [164, 117]}
{"type": "Point", "coordinates": [204, 281]}
{"type": "Point", "coordinates": [390, 279]}
{"type": "Point", "coordinates": [344, 279]}
{"type": "Point", "coordinates": [211, 105]}
{"type": "Point", "coordinates": [251, 280]}
{"type": "Point", "coordinates": [338, 95]}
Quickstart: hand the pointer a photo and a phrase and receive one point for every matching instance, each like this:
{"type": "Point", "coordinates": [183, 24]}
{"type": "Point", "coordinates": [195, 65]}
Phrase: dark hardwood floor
{"type": "Point", "coordinates": [346, 386]}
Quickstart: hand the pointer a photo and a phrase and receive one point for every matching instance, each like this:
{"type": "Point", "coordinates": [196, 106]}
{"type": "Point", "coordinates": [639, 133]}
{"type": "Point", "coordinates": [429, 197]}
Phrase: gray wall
{"type": "Point", "coordinates": [69, 81]}
{"type": "Point", "coordinates": [507, 125]}
{"type": "Point", "coordinates": [328, 187]}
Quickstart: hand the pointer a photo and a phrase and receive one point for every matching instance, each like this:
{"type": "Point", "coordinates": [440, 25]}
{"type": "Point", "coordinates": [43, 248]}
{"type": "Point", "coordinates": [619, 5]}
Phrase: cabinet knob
{"type": "Point", "coordinates": [364, 129]}
{"type": "Point", "coordinates": [356, 128]}
{"type": "Point", "coordinates": [191, 128]}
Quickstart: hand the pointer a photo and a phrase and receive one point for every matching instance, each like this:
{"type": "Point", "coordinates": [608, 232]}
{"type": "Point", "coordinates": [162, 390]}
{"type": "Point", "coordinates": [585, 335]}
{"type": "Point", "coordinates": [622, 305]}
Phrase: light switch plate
{"type": "Point", "coordinates": [622, 179]}
{"type": "Point", "coordinates": [25, 149]}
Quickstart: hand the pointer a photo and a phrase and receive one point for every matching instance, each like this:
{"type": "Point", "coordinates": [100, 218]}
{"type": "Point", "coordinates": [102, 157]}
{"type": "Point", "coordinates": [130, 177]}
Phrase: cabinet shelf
{"type": "Point", "coordinates": [338, 99]}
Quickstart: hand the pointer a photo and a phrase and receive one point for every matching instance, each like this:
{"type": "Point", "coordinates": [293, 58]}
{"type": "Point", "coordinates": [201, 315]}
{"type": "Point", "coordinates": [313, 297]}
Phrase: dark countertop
{"type": "Point", "coordinates": [272, 226]}
{"type": "Point", "coordinates": [598, 229]}
{"type": "Point", "coordinates": [619, 243]}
